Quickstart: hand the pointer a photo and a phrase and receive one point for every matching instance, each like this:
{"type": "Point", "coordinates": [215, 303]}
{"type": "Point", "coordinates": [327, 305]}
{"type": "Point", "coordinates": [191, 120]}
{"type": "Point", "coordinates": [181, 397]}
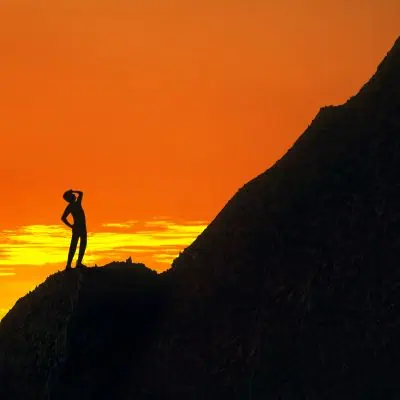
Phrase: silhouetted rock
{"type": "Point", "coordinates": [76, 335]}
{"type": "Point", "coordinates": [292, 292]}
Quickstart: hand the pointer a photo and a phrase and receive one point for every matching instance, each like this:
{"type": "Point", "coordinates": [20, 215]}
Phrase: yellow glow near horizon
{"type": "Point", "coordinates": [28, 254]}
{"type": "Point", "coordinates": [48, 244]}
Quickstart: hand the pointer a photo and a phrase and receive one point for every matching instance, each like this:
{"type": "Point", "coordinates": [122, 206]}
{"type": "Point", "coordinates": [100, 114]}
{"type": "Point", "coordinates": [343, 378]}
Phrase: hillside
{"type": "Point", "coordinates": [292, 292]}
{"type": "Point", "coordinates": [76, 334]}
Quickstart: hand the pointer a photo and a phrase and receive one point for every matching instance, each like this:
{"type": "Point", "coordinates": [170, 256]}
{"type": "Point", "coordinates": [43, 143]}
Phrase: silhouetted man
{"type": "Point", "coordinates": [78, 228]}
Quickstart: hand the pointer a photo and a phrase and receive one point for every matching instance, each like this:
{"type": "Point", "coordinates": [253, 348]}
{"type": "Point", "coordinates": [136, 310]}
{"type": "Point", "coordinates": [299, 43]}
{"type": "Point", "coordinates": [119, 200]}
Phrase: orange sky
{"type": "Point", "coordinates": [164, 108]}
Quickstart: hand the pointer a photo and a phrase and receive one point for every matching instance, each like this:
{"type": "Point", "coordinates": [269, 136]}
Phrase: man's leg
{"type": "Point", "coordinates": [82, 248]}
{"type": "Point", "coordinates": [72, 249]}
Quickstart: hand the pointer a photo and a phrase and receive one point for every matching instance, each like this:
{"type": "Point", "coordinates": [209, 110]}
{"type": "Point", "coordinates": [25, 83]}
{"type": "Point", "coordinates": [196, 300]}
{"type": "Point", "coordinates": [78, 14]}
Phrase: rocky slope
{"type": "Point", "coordinates": [293, 291]}
{"type": "Point", "coordinates": [76, 335]}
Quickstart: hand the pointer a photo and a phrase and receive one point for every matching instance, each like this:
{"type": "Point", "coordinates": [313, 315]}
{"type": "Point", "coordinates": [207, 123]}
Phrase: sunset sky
{"type": "Point", "coordinates": [159, 110]}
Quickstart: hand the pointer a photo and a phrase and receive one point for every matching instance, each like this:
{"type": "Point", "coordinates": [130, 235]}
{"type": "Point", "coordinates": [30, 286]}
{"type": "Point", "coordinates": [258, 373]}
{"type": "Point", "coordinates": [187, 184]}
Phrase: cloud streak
{"type": "Point", "coordinates": [28, 254]}
{"type": "Point", "coordinates": [156, 243]}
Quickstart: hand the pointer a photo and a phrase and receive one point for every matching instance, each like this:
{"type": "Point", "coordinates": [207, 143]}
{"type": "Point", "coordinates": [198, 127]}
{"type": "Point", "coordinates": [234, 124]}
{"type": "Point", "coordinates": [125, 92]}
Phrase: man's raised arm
{"type": "Point", "coordinates": [80, 195]}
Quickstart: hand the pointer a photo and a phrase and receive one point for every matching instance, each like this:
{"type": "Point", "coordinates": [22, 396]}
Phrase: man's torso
{"type": "Point", "coordinates": [79, 216]}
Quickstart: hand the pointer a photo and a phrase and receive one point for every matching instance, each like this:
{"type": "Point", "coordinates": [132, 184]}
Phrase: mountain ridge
{"type": "Point", "coordinates": [307, 222]}
{"type": "Point", "coordinates": [388, 70]}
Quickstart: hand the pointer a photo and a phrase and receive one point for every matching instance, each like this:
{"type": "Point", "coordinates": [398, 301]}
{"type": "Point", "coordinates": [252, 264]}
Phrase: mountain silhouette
{"type": "Point", "coordinates": [78, 332]}
{"type": "Point", "coordinates": [292, 291]}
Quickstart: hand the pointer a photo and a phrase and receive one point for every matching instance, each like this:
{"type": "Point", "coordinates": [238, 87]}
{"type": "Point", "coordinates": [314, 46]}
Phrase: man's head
{"type": "Point", "coordinates": [69, 197]}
